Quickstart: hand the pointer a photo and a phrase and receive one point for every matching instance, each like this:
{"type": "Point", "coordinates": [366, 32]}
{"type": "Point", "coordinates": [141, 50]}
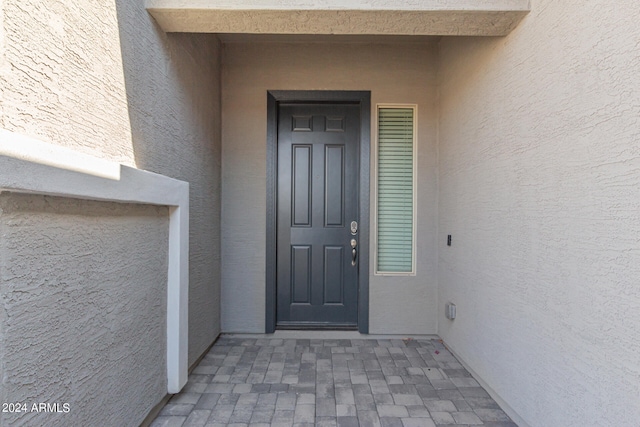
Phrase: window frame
{"type": "Point", "coordinates": [375, 156]}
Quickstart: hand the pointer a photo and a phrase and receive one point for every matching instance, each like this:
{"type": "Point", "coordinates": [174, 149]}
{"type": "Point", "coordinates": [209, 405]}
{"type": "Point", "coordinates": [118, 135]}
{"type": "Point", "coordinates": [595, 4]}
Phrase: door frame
{"type": "Point", "coordinates": [363, 99]}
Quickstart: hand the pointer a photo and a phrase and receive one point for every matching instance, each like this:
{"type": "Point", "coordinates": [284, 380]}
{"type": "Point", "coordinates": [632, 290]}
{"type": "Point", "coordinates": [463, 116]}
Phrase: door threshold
{"type": "Point", "coordinates": [305, 326]}
{"type": "Point", "coordinates": [328, 335]}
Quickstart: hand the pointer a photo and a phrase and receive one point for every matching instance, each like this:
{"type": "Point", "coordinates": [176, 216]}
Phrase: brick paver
{"type": "Point", "coordinates": [331, 382]}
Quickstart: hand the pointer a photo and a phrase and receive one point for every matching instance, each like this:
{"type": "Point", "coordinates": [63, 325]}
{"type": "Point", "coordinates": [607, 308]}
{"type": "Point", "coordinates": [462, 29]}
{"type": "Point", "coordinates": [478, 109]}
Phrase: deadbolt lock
{"type": "Point", "coordinates": [354, 228]}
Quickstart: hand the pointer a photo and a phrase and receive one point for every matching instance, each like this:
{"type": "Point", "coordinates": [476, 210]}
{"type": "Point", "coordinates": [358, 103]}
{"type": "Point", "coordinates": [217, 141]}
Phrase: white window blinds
{"type": "Point", "coordinates": [395, 185]}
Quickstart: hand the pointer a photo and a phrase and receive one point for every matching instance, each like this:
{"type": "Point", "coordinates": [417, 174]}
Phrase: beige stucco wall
{"type": "Point", "coordinates": [82, 309]}
{"type": "Point", "coordinates": [394, 74]}
{"type": "Point", "coordinates": [103, 79]}
{"type": "Point", "coordinates": [539, 186]}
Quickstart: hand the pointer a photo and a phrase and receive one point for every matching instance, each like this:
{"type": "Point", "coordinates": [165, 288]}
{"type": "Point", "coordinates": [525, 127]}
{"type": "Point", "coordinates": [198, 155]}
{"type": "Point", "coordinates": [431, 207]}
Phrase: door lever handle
{"type": "Point", "coordinates": [354, 251]}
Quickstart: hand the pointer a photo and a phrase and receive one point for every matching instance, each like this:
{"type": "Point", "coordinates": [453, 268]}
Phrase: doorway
{"type": "Point", "coordinates": [318, 210]}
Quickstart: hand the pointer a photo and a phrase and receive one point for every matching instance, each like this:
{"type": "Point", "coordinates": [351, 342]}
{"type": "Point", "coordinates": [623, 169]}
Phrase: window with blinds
{"type": "Point", "coordinates": [395, 189]}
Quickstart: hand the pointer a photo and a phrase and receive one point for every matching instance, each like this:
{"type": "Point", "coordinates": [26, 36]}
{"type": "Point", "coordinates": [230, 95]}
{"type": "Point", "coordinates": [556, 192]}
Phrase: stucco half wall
{"type": "Point", "coordinates": [394, 73]}
{"type": "Point", "coordinates": [83, 292]}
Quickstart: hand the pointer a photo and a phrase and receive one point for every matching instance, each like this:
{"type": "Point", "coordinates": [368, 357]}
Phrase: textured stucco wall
{"type": "Point", "coordinates": [173, 88]}
{"type": "Point", "coordinates": [540, 188]}
{"type": "Point", "coordinates": [103, 79]}
{"type": "Point", "coordinates": [82, 309]}
{"type": "Point", "coordinates": [62, 77]}
{"type": "Point", "coordinates": [393, 74]}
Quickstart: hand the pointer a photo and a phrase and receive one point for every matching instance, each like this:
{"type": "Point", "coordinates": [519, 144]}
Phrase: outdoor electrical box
{"type": "Point", "coordinates": [450, 311]}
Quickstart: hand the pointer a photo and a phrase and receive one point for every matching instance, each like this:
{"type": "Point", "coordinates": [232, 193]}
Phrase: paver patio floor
{"type": "Point", "coordinates": [331, 382]}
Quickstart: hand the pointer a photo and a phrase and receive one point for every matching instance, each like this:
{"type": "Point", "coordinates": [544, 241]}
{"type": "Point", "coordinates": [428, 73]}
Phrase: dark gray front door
{"type": "Point", "coordinates": [317, 277]}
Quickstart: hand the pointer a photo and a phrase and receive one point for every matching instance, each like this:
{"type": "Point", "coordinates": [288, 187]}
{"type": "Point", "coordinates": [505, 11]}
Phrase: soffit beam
{"type": "Point", "coordinates": [354, 17]}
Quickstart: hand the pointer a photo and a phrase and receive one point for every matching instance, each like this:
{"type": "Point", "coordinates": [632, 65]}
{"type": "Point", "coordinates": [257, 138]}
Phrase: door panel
{"type": "Point", "coordinates": [301, 185]}
{"type": "Point", "coordinates": [333, 274]}
{"type": "Point", "coordinates": [334, 186]}
{"type": "Point", "coordinates": [301, 274]}
{"type": "Point", "coordinates": [318, 149]}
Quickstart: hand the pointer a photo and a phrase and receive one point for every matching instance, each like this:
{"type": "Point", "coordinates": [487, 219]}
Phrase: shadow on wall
{"type": "Point", "coordinates": [173, 95]}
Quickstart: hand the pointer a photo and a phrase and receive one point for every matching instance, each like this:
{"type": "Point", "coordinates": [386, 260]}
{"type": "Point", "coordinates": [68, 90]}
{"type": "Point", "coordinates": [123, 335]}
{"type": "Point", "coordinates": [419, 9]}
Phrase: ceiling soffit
{"type": "Point", "coordinates": [345, 17]}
